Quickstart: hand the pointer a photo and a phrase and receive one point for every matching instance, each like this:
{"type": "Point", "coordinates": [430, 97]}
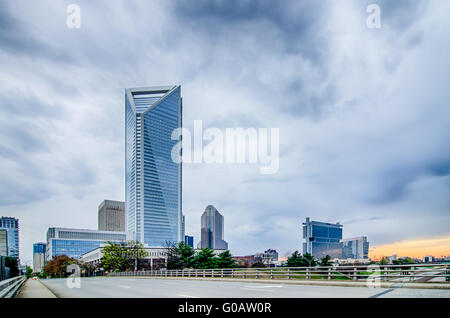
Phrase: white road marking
{"type": "Point", "coordinates": [188, 296]}
{"type": "Point", "coordinates": [259, 289]}
{"type": "Point", "coordinates": [265, 286]}
{"type": "Point", "coordinates": [124, 286]}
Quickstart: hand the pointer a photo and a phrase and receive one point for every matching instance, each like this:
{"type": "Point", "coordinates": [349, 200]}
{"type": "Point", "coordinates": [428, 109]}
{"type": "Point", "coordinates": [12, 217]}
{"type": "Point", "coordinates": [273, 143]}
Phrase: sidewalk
{"type": "Point", "coordinates": [34, 289]}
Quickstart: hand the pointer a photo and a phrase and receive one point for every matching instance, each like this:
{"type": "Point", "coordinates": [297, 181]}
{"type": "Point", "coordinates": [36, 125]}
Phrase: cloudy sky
{"type": "Point", "coordinates": [364, 114]}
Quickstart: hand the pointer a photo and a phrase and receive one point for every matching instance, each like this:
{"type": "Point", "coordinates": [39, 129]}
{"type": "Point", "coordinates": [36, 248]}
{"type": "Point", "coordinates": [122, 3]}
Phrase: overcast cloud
{"type": "Point", "coordinates": [363, 113]}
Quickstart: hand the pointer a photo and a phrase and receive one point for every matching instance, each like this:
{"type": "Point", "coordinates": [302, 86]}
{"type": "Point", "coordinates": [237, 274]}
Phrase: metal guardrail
{"type": "Point", "coordinates": [393, 273]}
{"type": "Point", "coordinates": [9, 287]}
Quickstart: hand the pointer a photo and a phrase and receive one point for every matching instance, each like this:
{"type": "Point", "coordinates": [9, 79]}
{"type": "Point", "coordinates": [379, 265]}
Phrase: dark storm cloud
{"type": "Point", "coordinates": [16, 38]}
{"type": "Point", "coordinates": [27, 105]}
{"type": "Point", "coordinates": [296, 22]}
{"type": "Point", "coordinates": [15, 192]}
{"type": "Point", "coordinates": [296, 65]}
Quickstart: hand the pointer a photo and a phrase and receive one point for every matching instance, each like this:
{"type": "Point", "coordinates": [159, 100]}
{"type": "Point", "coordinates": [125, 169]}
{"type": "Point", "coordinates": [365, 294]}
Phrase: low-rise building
{"type": "Point", "coordinates": [76, 242]}
{"type": "Point", "coordinates": [156, 257]}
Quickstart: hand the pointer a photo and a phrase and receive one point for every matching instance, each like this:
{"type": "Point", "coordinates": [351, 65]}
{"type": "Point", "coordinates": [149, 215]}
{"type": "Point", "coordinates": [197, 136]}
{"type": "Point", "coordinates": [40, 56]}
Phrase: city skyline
{"type": "Point", "coordinates": [363, 120]}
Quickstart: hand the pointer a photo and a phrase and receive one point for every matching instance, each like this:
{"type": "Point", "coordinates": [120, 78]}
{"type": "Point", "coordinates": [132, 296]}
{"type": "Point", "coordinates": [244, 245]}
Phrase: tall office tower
{"type": "Point", "coordinates": [111, 216]}
{"type": "Point", "coordinates": [357, 248]}
{"type": "Point", "coordinates": [322, 239]}
{"type": "Point", "coordinates": [3, 242]}
{"type": "Point", "coordinates": [11, 225]}
{"type": "Point", "coordinates": [212, 230]}
{"type": "Point", "coordinates": [189, 240]}
{"type": "Point", "coordinates": [38, 257]}
{"type": "Point", "coordinates": [76, 242]}
{"type": "Point", "coordinates": [153, 181]}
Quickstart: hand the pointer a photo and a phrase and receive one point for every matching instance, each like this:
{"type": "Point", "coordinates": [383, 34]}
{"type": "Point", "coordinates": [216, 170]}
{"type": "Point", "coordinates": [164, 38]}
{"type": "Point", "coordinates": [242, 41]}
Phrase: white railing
{"type": "Point", "coordinates": [399, 273]}
{"type": "Point", "coordinates": [10, 286]}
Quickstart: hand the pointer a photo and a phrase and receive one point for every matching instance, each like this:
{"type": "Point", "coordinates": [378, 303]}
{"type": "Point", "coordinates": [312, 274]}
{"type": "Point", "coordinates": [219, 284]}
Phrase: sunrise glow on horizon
{"type": "Point", "coordinates": [437, 247]}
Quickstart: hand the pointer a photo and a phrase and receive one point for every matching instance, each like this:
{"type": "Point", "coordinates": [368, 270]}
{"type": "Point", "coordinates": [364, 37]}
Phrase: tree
{"type": "Point", "coordinates": [29, 271]}
{"type": "Point", "coordinates": [309, 260]}
{"type": "Point", "coordinates": [123, 256]}
{"type": "Point", "coordinates": [135, 252]}
{"type": "Point", "coordinates": [13, 265]}
{"type": "Point", "coordinates": [258, 265]}
{"type": "Point", "coordinates": [114, 257]}
{"type": "Point", "coordinates": [298, 260]}
{"type": "Point", "coordinates": [58, 265]}
{"type": "Point", "coordinates": [383, 261]}
{"type": "Point", "coordinates": [186, 253]}
{"type": "Point", "coordinates": [179, 255]}
{"type": "Point", "coordinates": [294, 260]}
{"type": "Point", "coordinates": [326, 261]}
{"type": "Point", "coordinates": [225, 260]}
{"type": "Point", "coordinates": [403, 261]}
{"type": "Point", "coordinates": [204, 259]}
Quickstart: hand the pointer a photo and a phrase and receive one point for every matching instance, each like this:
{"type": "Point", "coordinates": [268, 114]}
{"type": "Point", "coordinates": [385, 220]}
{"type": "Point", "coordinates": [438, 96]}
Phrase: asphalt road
{"type": "Point", "coordinates": [118, 287]}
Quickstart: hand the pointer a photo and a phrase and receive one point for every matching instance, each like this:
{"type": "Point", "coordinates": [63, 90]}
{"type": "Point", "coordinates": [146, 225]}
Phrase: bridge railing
{"type": "Point", "coordinates": [10, 286]}
{"type": "Point", "coordinates": [400, 273]}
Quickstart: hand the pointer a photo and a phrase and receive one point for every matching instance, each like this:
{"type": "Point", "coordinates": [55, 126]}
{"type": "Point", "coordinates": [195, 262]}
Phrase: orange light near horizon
{"type": "Point", "coordinates": [438, 247]}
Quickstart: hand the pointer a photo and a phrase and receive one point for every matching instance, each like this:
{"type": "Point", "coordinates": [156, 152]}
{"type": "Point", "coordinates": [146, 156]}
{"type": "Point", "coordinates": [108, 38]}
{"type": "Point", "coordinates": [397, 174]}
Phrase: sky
{"type": "Point", "coordinates": [363, 113]}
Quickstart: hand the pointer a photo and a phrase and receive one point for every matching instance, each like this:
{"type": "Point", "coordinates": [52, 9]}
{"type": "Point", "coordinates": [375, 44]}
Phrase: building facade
{"type": "Point", "coordinates": [3, 242]}
{"type": "Point", "coordinates": [38, 257]}
{"type": "Point", "coordinates": [111, 216]}
{"type": "Point", "coordinates": [189, 240]}
{"type": "Point", "coordinates": [75, 242]}
{"type": "Point", "coordinates": [355, 248]}
{"type": "Point", "coordinates": [321, 239]}
{"type": "Point", "coordinates": [212, 229]}
{"type": "Point", "coordinates": [11, 225]}
{"type": "Point", "coordinates": [153, 180]}
{"type": "Point", "coordinates": [156, 257]}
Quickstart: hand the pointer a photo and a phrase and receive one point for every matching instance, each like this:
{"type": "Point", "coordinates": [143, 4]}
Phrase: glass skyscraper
{"type": "Point", "coordinates": [322, 239]}
{"type": "Point", "coordinates": [212, 230]}
{"type": "Point", "coordinates": [11, 225]}
{"type": "Point", "coordinates": [153, 181]}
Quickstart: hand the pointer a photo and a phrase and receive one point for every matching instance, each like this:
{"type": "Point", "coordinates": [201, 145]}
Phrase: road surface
{"type": "Point", "coordinates": [121, 287]}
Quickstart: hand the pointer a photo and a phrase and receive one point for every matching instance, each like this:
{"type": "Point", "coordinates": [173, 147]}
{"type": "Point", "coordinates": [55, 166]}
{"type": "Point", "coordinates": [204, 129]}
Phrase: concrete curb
{"type": "Point", "coordinates": [305, 282]}
{"type": "Point", "coordinates": [48, 288]}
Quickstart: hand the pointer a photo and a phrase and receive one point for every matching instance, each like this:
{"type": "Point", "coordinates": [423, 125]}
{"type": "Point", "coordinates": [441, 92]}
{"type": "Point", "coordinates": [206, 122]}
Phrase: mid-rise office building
{"type": "Point", "coordinates": [75, 242]}
{"type": "Point", "coordinates": [321, 239]}
{"type": "Point", "coordinates": [356, 248]}
{"type": "Point", "coordinates": [189, 240]}
{"type": "Point", "coordinates": [212, 230]}
{"type": "Point", "coordinates": [111, 216]}
{"type": "Point", "coordinates": [38, 257]}
{"type": "Point", "coordinates": [11, 225]}
{"type": "Point", "coordinates": [3, 242]}
{"type": "Point", "coordinates": [152, 179]}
